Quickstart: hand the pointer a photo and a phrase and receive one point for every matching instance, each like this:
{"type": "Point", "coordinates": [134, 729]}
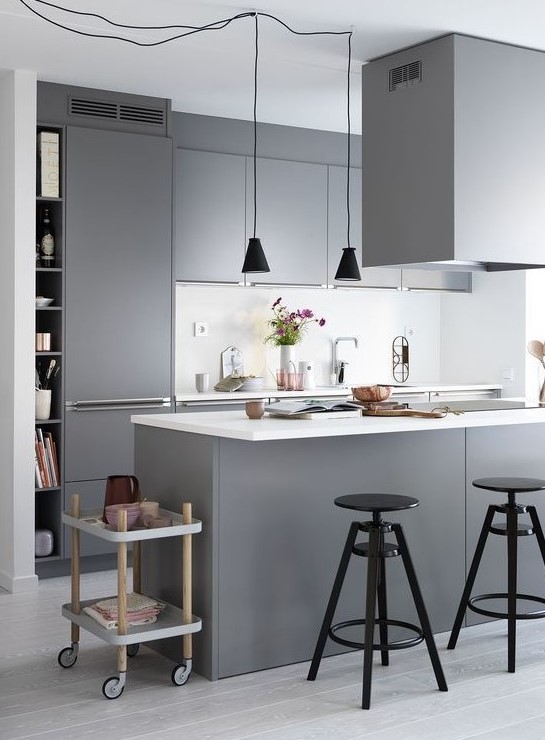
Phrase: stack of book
{"type": "Point", "coordinates": [46, 463]}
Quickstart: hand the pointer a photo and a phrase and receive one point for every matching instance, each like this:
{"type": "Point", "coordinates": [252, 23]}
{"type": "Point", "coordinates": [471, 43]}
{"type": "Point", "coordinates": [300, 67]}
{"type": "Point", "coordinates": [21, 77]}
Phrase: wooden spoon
{"type": "Point", "coordinates": [537, 350]}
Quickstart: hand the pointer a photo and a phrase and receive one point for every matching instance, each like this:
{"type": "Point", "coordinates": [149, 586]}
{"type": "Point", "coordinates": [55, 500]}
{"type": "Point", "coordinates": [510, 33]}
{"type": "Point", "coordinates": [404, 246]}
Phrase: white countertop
{"type": "Point", "coordinates": [236, 425]}
{"type": "Point", "coordinates": [322, 392]}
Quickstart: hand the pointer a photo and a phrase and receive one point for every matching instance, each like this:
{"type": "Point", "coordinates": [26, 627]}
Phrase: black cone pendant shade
{"type": "Point", "coordinates": [348, 266]}
{"type": "Point", "coordinates": [255, 260]}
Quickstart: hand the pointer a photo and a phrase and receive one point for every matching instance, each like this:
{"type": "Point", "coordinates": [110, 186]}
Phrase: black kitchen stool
{"type": "Point", "coordinates": [511, 529]}
{"type": "Point", "coordinates": [376, 550]}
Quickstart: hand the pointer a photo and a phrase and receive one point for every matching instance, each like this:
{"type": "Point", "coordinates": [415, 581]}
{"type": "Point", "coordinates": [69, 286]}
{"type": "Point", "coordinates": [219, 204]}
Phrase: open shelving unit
{"type": "Point", "coordinates": [50, 319]}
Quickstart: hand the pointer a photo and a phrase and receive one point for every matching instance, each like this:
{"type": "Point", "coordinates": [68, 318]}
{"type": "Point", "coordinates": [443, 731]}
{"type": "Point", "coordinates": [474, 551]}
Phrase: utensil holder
{"type": "Point", "coordinates": [43, 404]}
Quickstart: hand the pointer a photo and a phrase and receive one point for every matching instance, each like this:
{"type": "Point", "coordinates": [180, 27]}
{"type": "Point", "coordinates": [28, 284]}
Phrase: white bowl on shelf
{"type": "Point", "coordinates": [252, 384]}
{"type": "Point", "coordinates": [42, 302]}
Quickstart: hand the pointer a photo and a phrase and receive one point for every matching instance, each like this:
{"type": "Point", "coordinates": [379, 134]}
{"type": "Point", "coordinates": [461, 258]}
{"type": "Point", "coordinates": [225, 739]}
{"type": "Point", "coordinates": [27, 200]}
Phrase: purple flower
{"type": "Point", "coordinates": [275, 304]}
{"type": "Point", "coordinates": [306, 313]}
{"type": "Point", "coordinates": [321, 322]}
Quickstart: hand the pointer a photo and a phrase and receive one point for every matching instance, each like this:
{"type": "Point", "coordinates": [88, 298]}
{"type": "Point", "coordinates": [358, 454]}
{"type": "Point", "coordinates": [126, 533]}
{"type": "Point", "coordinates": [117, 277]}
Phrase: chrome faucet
{"type": "Point", "coordinates": [339, 365]}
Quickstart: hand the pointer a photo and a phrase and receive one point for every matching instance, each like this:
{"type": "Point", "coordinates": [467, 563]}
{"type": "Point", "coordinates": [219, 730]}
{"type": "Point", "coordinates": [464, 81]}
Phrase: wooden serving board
{"type": "Point", "coordinates": [404, 412]}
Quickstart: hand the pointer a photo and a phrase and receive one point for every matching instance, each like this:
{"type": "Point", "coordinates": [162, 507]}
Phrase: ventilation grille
{"type": "Point", "coordinates": [407, 74]}
{"type": "Point", "coordinates": [116, 111]}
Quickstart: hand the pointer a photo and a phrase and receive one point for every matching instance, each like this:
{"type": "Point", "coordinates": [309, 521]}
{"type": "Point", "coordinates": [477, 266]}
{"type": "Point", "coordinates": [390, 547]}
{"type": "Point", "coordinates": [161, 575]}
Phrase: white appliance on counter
{"type": "Point", "coordinates": [309, 379]}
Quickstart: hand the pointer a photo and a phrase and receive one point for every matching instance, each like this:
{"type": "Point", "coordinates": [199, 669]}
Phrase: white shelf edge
{"type": "Point", "coordinates": [132, 535]}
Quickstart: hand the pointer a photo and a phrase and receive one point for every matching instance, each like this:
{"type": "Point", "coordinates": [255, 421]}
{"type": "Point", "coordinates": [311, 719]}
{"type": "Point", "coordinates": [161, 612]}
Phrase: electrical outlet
{"type": "Point", "coordinates": [508, 374]}
{"type": "Point", "coordinates": [200, 329]}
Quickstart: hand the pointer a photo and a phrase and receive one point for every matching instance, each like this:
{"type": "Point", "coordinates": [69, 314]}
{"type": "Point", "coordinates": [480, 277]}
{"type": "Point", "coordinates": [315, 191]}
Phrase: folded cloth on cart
{"type": "Point", "coordinates": [140, 610]}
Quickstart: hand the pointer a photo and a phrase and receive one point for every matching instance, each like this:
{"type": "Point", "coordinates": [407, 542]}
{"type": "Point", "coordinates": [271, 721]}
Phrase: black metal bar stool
{"type": "Point", "coordinates": [376, 550]}
{"type": "Point", "coordinates": [511, 529]}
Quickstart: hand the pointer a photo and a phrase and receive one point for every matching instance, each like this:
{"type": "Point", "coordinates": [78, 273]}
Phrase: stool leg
{"type": "Point", "coordinates": [333, 599]}
{"type": "Point", "coordinates": [420, 607]}
{"type": "Point", "coordinates": [382, 605]}
{"type": "Point", "coordinates": [538, 530]}
{"type": "Point", "coordinates": [471, 578]}
{"type": "Point", "coordinates": [512, 522]}
{"type": "Point", "coordinates": [373, 558]}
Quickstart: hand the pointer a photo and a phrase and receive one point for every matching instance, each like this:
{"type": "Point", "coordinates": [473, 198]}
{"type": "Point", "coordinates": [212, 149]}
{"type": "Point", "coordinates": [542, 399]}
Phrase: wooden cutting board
{"type": "Point", "coordinates": [404, 412]}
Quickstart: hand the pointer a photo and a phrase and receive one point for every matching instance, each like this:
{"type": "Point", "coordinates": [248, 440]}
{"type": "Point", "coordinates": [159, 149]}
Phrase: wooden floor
{"type": "Point", "coordinates": [39, 699]}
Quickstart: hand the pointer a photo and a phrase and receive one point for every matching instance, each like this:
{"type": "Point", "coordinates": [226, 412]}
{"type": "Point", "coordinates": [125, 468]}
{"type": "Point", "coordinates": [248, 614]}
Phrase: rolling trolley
{"type": "Point", "coordinates": [171, 622]}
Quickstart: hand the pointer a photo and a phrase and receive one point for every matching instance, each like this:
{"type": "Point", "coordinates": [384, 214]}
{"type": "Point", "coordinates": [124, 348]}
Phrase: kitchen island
{"type": "Point", "coordinates": [272, 536]}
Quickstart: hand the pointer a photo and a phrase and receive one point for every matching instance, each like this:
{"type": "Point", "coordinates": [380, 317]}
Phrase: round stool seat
{"type": "Point", "coordinates": [377, 502]}
{"type": "Point", "coordinates": [510, 485]}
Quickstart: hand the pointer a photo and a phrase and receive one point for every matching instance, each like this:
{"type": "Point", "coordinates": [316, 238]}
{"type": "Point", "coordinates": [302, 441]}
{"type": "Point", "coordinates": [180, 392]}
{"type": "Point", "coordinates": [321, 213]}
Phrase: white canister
{"type": "Point", "coordinates": [307, 368]}
{"type": "Point", "coordinates": [43, 404]}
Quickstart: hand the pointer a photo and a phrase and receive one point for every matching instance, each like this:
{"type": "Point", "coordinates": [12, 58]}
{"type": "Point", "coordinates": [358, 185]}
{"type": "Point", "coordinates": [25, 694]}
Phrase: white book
{"type": "Point", "coordinates": [48, 147]}
{"type": "Point", "coordinates": [314, 409]}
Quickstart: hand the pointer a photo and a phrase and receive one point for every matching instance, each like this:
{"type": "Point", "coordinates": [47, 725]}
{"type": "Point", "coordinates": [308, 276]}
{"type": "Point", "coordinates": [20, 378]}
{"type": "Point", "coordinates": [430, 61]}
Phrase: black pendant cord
{"type": "Point", "coordinates": [348, 142]}
{"type": "Point", "coordinates": [255, 118]}
{"type": "Point", "coordinates": [188, 30]}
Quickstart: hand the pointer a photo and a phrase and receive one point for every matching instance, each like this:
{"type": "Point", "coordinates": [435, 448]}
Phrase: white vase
{"type": "Point", "coordinates": [287, 357]}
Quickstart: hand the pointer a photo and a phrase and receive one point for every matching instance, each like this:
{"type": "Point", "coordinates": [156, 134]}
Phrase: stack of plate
{"type": "Point", "coordinates": [252, 384]}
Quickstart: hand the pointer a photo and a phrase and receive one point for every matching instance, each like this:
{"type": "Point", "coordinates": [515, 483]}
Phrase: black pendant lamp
{"type": "Point", "coordinates": [255, 260]}
{"type": "Point", "coordinates": [348, 266]}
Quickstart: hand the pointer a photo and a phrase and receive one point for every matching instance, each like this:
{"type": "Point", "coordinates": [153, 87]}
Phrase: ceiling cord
{"type": "Point", "coordinates": [214, 26]}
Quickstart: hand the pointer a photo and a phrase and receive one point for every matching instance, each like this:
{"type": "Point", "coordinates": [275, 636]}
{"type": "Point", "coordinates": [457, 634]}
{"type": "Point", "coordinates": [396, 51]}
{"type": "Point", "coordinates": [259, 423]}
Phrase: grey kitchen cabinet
{"type": "Point", "coordinates": [91, 493]}
{"type": "Point", "coordinates": [371, 277]}
{"type": "Point", "coordinates": [118, 265]}
{"type": "Point", "coordinates": [209, 208]}
{"type": "Point", "coordinates": [118, 297]}
{"type": "Point", "coordinates": [291, 220]}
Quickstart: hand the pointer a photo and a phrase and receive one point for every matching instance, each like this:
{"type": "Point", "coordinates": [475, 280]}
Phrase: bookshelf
{"type": "Point", "coordinates": [49, 337]}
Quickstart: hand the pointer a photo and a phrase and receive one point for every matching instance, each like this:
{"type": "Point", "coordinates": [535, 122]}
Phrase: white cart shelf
{"type": "Point", "coordinates": [171, 622]}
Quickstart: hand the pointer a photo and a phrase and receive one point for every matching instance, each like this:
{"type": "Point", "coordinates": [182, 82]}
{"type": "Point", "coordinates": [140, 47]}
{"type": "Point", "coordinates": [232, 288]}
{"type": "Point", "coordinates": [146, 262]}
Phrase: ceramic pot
{"type": "Point", "coordinates": [255, 409]}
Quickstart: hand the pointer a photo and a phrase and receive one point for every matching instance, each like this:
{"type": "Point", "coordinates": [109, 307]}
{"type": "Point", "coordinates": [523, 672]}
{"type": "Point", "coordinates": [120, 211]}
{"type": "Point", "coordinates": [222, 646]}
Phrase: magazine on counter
{"type": "Point", "coordinates": [314, 409]}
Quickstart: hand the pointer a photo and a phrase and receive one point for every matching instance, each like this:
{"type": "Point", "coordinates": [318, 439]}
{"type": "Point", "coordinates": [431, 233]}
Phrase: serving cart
{"type": "Point", "coordinates": [171, 622]}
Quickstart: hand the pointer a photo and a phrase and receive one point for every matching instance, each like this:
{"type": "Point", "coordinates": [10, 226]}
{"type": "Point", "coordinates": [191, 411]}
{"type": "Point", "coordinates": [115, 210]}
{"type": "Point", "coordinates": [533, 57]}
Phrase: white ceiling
{"type": "Point", "coordinates": [302, 79]}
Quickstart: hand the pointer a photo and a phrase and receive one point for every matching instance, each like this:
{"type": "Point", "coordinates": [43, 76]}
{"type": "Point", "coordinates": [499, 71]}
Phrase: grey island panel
{"type": "Point", "coordinates": [272, 537]}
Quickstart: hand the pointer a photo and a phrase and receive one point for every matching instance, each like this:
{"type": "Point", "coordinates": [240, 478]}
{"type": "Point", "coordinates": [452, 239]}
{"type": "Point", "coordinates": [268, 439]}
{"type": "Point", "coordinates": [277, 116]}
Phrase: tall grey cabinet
{"type": "Point", "coordinates": [118, 301]}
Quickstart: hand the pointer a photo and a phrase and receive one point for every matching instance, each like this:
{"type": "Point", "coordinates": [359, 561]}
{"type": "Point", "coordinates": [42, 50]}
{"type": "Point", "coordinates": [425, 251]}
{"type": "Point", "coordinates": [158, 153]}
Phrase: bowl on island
{"type": "Point", "coordinates": [371, 393]}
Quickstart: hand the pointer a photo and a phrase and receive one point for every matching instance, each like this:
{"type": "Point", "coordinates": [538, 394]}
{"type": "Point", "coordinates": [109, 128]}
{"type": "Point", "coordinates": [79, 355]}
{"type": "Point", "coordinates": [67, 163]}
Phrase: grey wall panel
{"type": "Point", "coordinates": [118, 265]}
{"type": "Point", "coordinates": [278, 142]}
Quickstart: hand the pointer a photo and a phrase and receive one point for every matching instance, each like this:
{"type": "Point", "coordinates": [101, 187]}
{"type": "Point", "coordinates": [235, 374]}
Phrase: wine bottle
{"type": "Point", "coordinates": [47, 240]}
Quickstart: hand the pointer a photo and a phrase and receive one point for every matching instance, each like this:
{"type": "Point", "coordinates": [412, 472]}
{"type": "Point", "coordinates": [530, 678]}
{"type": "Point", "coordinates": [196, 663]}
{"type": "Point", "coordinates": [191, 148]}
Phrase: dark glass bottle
{"type": "Point", "coordinates": [47, 240]}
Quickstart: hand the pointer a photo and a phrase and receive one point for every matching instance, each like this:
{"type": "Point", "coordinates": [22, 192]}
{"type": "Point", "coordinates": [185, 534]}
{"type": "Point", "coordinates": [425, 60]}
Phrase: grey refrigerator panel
{"type": "Point", "coordinates": [118, 265]}
{"type": "Point", "coordinates": [100, 442]}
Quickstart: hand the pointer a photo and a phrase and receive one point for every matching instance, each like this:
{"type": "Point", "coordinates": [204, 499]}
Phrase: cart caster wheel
{"type": "Point", "coordinates": [67, 657]}
{"type": "Point", "coordinates": [180, 674]}
{"type": "Point", "coordinates": [112, 687]}
{"type": "Point", "coordinates": [132, 650]}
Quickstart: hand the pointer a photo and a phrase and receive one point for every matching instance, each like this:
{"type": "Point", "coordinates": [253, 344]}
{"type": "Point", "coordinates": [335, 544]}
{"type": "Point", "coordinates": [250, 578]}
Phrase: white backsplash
{"type": "Point", "coordinates": [237, 316]}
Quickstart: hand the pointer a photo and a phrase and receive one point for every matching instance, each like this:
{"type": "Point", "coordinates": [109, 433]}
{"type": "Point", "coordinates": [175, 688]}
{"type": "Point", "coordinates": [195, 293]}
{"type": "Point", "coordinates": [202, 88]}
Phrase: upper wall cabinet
{"type": "Point", "coordinates": [291, 220]}
{"type": "Point", "coordinates": [209, 207]}
{"type": "Point", "coordinates": [371, 277]}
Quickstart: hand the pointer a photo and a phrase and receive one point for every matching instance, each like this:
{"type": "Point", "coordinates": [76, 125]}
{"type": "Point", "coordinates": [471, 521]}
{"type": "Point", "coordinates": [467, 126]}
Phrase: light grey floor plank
{"type": "Point", "coordinates": [39, 699]}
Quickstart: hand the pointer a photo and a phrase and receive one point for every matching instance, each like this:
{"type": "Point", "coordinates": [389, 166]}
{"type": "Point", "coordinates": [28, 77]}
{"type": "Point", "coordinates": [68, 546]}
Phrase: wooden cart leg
{"type": "Point", "coordinates": [181, 672]}
{"type": "Point", "coordinates": [75, 571]}
{"type": "Point", "coordinates": [122, 592]}
{"type": "Point", "coordinates": [136, 568]}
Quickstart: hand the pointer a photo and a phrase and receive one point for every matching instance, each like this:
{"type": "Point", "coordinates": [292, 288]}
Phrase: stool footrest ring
{"type": "Point", "coordinates": [503, 615]}
{"type": "Point", "coordinates": [396, 645]}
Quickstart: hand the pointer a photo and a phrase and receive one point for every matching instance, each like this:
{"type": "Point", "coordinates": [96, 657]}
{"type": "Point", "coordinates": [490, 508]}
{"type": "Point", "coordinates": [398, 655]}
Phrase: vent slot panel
{"type": "Point", "coordinates": [404, 76]}
{"type": "Point", "coordinates": [112, 111]}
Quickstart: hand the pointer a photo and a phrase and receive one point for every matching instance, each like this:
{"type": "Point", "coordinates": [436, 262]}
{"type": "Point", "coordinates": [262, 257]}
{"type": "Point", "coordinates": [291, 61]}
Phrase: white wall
{"type": "Point", "coordinates": [483, 333]}
{"type": "Point", "coordinates": [17, 287]}
{"type": "Point", "coordinates": [238, 316]}
{"type": "Point", "coordinates": [535, 329]}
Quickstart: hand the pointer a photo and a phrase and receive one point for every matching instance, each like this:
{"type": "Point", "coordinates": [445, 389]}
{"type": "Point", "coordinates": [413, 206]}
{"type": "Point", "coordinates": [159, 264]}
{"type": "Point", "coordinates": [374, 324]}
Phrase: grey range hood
{"type": "Point", "coordinates": [453, 170]}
